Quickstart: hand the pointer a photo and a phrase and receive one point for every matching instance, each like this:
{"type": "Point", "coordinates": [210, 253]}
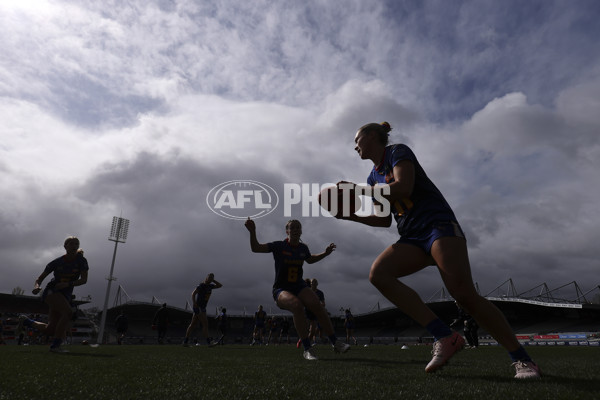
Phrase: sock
{"type": "Point", "coordinates": [207, 340]}
{"type": "Point", "coordinates": [306, 343]}
{"type": "Point", "coordinates": [519, 355]}
{"type": "Point", "coordinates": [185, 340]}
{"type": "Point", "coordinates": [332, 339]}
{"type": "Point", "coordinates": [438, 329]}
{"type": "Point", "coordinates": [56, 343]}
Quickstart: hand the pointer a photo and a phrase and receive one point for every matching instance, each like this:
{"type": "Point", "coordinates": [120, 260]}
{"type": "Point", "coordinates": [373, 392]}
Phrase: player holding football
{"type": "Point", "coordinates": [290, 292]}
{"type": "Point", "coordinates": [200, 297]}
{"type": "Point", "coordinates": [429, 235]}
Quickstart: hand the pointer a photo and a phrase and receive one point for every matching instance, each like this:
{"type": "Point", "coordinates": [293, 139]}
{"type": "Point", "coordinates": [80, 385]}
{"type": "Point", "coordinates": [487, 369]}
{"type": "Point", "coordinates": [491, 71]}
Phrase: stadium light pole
{"type": "Point", "coordinates": [118, 234]}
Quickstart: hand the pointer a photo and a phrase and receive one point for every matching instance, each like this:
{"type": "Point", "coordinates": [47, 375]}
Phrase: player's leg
{"type": "Point", "coordinates": [451, 256]}
{"type": "Point", "coordinates": [312, 330]}
{"type": "Point", "coordinates": [204, 321]}
{"type": "Point", "coordinates": [25, 321]}
{"type": "Point", "coordinates": [190, 328]}
{"type": "Point", "coordinates": [288, 301]}
{"type": "Point", "coordinates": [402, 259]}
{"type": "Point", "coordinates": [311, 301]}
{"type": "Point", "coordinates": [398, 260]}
{"type": "Point", "coordinates": [61, 312]}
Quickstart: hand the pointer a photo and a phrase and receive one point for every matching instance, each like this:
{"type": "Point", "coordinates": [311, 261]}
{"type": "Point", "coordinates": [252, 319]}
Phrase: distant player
{"type": "Point", "coordinates": [200, 297]}
{"type": "Point", "coordinates": [469, 326]}
{"type": "Point", "coordinates": [260, 317]}
{"type": "Point", "coordinates": [285, 330]}
{"type": "Point", "coordinates": [122, 325]}
{"type": "Point", "coordinates": [222, 326]}
{"type": "Point", "coordinates": [314, 329]}
{"type": "Point", "coordinates": [429, 235]}
{"type": "Point", "coordinates": [161, 321]}
{"type": "Point", "coordinates": [2, 342]}
{"type": "Point", "coordinates": [349, 325]}
{"type": "Point", "coordinates": [289, 290]}
{"type": "Point", "coordinates": [273, 330]}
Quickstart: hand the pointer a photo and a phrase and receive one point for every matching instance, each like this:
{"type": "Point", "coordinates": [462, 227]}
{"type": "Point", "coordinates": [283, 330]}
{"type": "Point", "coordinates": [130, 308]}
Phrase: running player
{"type": "Point", "coordinates": [200, 297]}
{"type": "Point", "coordinates": [68, 271]}
{"type": "Point", "coordinates": [290, 292]}
{"type": "Point", "coordinates": [429, 235]}
{"type": "Point", "coordinates": [260, 316]}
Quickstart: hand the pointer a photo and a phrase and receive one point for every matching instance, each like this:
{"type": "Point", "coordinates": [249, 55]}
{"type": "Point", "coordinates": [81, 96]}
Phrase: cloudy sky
{"type": "Point", "coordinates": [139, 108]}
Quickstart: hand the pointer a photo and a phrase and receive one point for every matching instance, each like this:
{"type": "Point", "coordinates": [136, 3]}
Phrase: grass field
{"type": "Point", "coordinates": [280, 372]}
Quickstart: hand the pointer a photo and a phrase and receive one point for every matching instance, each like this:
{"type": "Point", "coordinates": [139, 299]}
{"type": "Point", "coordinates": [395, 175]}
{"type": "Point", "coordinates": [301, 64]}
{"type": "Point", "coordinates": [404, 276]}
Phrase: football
{"type": "Point", "coordinates": [334, 199]}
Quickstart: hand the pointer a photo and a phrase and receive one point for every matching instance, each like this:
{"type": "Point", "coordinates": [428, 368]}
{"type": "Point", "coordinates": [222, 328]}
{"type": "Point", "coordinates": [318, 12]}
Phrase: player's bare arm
{"type": "Point", "coordinates": [318, 257]}
{"type": "Point", "coordinates": [255, 246]}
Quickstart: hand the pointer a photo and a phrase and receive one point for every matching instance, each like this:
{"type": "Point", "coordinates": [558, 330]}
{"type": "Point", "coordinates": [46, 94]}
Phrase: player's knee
{"type": "Point", "coordinates": [295, 306]}
{"type": "Point", "coordinates": [376, 276]}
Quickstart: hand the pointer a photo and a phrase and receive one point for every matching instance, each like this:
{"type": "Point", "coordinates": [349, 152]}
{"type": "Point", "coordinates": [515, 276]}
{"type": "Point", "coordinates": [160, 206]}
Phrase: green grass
{"type": "Point", "coordinates": [280, 372]}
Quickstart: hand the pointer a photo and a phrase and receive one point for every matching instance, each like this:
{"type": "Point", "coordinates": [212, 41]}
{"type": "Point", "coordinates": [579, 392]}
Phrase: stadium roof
{"type": "Point", "coordinates": [569, 295]}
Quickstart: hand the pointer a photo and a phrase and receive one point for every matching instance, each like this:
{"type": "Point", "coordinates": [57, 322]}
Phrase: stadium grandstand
{"type": "Point", "coordinates": [539, 316]}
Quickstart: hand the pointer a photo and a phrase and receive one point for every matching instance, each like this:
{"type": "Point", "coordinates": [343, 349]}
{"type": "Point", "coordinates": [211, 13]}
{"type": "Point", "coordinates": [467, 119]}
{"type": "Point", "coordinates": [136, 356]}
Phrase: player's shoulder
{"type": "Point", "coordinates": [275, 245]}
{"type": "Point", "coordinates": [303, 246]}
{"type": "Point", "coordinates": [399, 150]}
{"type": "Point", "coordinates": [82, 261]}
{"type": "Point", "coordinates": [56, 261]}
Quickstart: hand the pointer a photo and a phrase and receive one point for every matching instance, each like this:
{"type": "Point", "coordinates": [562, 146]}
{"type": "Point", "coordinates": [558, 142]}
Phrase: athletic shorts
{"type": "Point", "coordinates": [424, 238]}
{"type": "Point", "coordinates": [199, 309]}
{"type": "Point", "coordinates": [49, 289]}
{"type": "Point", "coordinates": [294, 289]}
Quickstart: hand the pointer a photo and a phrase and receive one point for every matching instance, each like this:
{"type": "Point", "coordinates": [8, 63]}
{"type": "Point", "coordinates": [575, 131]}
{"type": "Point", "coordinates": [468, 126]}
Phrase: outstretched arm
{"type": "Point", "coordinates": [254, 245]}
{"type": "Point", "coordinates": [318, 257]}
{"type": "Point", "coordinates": [38, 282]}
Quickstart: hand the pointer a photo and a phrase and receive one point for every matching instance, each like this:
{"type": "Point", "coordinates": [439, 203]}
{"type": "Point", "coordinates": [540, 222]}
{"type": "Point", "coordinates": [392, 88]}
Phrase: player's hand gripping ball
{"type": "Point", "coordinates": [340, 197]}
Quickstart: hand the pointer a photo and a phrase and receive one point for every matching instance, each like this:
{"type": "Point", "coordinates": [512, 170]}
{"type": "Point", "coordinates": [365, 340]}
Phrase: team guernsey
{"type": "Point", "coordinates": [320, 295]}
{"type": "Point", "coordinates": [426, 204]}
{"type": "Point", "coordinates": [288, 263]}
{"type": "Point", "coordinates": [65, 271]}
{"type": "Point", "coordinates": [204, 290]}
{"type": "Point", "coordinates": [260, 317]}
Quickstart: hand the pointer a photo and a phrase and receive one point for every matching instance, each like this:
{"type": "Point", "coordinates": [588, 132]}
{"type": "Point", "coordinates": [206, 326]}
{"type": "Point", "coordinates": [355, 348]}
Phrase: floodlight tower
{"type": "Point", "coordinates": [118, 234]}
